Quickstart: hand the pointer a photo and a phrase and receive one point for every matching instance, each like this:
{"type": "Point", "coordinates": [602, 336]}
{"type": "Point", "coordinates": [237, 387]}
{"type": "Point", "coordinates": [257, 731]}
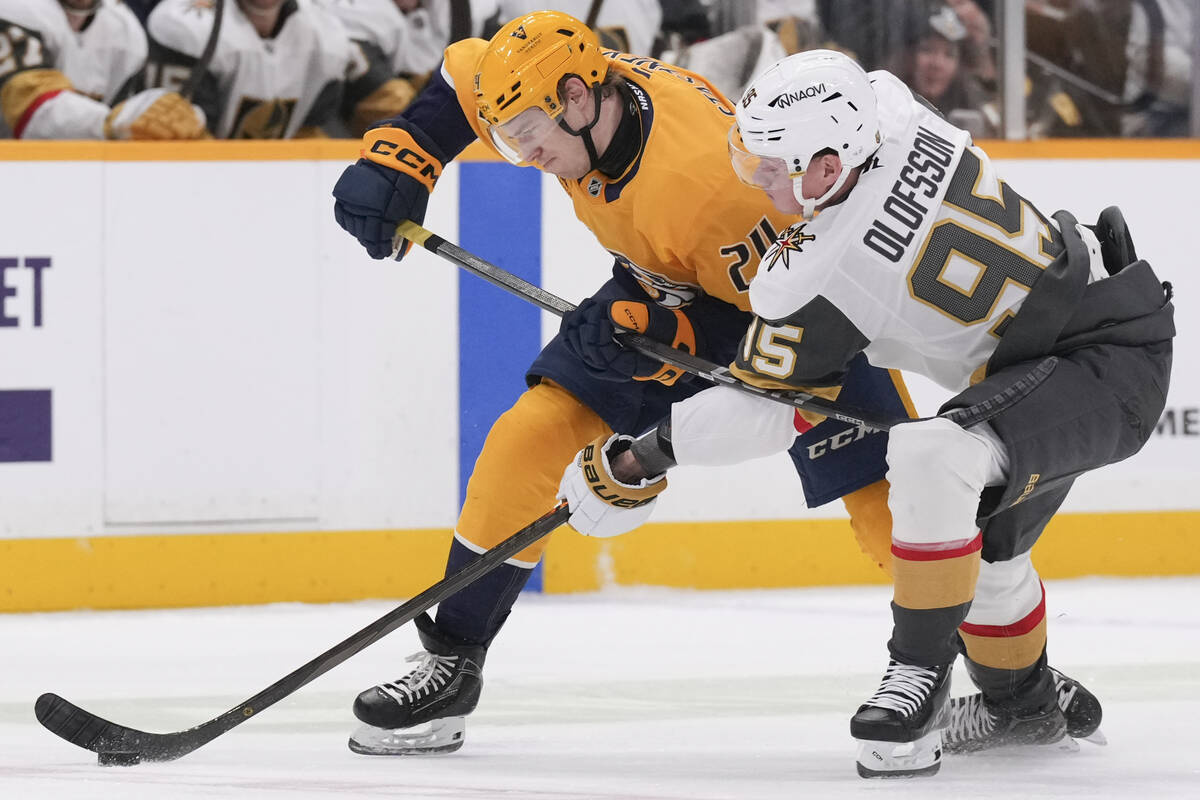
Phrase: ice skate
{"type": "Point", "coordinates": [977, 724]}
{"type": "Point", "coordinates": [422, 713]}
{"type": "Point", "coordinates": [899, 728]}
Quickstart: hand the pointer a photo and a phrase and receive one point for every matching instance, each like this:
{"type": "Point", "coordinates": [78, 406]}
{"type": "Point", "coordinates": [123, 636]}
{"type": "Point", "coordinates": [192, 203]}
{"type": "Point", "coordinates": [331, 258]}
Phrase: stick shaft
{"type": "Point", "coordinates": [520, 287]}
{"type": "Point", "coordinates": [91, 732]}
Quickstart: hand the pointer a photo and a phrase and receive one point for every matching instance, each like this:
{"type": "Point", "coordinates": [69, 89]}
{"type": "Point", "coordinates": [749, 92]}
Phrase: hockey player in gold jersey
{"type": "Point", "coordinates": [72, 69]}
{"type": "Point", "coordinates": [640, 149]}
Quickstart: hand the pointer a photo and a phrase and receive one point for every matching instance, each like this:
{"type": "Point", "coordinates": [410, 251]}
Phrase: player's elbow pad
{"type": "Point", "coordinates": [725, 426]}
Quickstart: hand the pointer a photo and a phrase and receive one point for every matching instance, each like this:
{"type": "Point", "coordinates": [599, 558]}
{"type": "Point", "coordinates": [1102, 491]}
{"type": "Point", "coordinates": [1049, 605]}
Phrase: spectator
{"type": "Point", "coordinates": [935, 67]}
{"type": "Point", "coordinates": [280, 68]}
{"type": "Point", "coordinates": [875, 32]}
{"type": "Point", "coordinates": [71, 69]}
{"type": "Point", "coordinates": [1158, 81]}
{"type": "Point", "coordinates": [1076, 66]}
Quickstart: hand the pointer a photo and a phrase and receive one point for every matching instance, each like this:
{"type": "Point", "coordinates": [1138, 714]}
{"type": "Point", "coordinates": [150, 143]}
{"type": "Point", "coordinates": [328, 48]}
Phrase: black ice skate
{"type": "Point", "coordinates": [437, 694]}
{"type": "Point", "coordinates": [899, 728]}
{"type": "Point", "coordinates": [979, 724]}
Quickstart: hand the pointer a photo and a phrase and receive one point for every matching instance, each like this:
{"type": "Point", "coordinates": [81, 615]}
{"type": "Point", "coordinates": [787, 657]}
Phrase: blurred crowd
{"type": "Point", "coordinates": [150, 69]}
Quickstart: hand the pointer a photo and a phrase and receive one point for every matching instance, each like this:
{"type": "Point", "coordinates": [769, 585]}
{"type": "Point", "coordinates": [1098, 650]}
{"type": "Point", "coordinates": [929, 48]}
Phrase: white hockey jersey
{"type": "Point", "coordinates": [929, 256]}
{"type": "Point", "coordinates": [381, 23]}
{"type": "Point", "coordinates": [626, 25]}
{"type": "Point", "coordinates": [56, 83]}
{"type": "Point", "coordinates": [255, 87]}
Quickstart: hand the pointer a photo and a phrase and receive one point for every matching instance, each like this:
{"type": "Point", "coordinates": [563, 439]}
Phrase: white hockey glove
{"type": "Point", "coordinates": [155, 114]}
{"type": "Point", "coordinates": [600, 504]}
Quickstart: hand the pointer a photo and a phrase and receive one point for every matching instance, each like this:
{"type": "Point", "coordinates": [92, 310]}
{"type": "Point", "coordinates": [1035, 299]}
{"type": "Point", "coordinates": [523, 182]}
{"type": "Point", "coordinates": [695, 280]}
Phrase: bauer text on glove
{"type": "Point", "coordinates": [600, 504]}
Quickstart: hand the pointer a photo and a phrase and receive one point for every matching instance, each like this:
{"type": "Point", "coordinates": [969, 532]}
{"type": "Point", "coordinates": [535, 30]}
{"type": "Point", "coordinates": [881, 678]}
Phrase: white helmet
{"type": "Point", "coordinates": [803, 104]}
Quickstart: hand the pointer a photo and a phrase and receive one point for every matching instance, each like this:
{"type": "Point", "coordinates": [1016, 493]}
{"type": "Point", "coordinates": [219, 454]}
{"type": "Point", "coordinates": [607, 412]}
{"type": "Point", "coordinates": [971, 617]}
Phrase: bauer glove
{"type": "Point", "coordinates": [590, 330]}
{"type": "Point", "coordinates": [390, 183]}
{"type": "Point", "coordinates": [600, 504]}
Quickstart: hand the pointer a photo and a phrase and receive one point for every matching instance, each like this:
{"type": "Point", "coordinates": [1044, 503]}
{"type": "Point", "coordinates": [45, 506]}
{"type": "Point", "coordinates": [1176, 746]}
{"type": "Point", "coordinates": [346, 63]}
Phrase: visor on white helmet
{"type": "Point", "coordinates": [761, 172]}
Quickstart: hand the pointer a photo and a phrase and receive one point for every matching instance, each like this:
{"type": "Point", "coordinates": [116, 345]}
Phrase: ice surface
{"type": "Point", "coordinates": [626, 694]}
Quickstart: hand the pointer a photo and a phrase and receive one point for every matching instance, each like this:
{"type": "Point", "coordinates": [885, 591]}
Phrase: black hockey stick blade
{"type": "Point", "coordinates": [196, 75]}
{"type": "Point", "coordinates": [117, 744]}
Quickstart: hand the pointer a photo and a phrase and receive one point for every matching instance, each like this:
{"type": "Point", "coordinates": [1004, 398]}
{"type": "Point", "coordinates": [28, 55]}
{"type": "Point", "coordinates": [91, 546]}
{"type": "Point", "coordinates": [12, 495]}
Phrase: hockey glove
{"type": "Point", "coordinates": [155, 114]}
{"type": "Point", "coordinates": [600, 504]}
{"type": "Point", "coordinates": [390, 183]}
{"type": "Point", "coordinates": [590, 330]}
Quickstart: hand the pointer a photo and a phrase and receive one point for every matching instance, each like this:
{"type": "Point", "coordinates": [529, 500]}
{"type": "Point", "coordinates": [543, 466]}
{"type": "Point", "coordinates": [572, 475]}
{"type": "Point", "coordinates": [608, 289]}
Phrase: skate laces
{"type": "Point", "coordinates": [904, 688]}
{"type": "Point", "coordinates": [431, 674]}
{"type": "Point", "coordinates": [1064, 688]}
{"type": "Point", "coordinates": [969, 719]}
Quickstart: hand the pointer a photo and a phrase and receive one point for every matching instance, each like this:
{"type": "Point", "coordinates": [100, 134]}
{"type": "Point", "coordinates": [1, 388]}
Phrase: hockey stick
{"type": "Point", "coordinates": [117, 744]}
{"type": "Point", "coordinates": [721, 376]}
{"type": "Point", "coordinates": [206, 55]}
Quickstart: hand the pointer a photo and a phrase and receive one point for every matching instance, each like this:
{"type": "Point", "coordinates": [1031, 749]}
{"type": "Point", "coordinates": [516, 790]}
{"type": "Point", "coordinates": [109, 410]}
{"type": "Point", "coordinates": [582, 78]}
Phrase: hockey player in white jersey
{"type": "Point", "coordinates": [71, 69]}
{"type": "Point", "coordinates": [391, 48]}
{"type": "Point", "coordinates": [914, 252]}
{"type": "Point", "coordinates": [626, 25]}
{"type": "Point", "coordinates": [281, 68]}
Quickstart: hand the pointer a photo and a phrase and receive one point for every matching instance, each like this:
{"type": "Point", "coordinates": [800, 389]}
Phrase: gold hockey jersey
{"type": "Point", "coordinates": [56, 83]}
{"type": "Point", "coordinates": [678, 219]}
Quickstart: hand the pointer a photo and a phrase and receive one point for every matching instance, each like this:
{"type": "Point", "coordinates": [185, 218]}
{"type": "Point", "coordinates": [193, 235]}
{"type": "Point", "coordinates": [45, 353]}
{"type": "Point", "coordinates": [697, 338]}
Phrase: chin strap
{"type": "Point", "coordinates": [585, 132]}
{"type": "Point", "coordinates": [808, 205]}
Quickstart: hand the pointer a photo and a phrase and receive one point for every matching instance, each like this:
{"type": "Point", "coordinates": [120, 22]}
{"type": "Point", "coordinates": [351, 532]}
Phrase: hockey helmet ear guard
{"type": "Point", "coordinates": [803, 105]}
{"type": "Point", "coordinates": [520, 70]}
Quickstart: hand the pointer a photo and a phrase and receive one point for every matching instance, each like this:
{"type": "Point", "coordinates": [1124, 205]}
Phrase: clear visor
{"type": "Point", "coordinates": [763, 172]}
{"type": "Point", "coordinates": [521, 136]}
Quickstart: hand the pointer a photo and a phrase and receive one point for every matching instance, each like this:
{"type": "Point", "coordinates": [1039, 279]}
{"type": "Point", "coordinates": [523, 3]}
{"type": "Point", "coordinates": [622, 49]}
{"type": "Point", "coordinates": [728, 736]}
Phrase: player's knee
{"type": "Point", "coordinates": [936, 453]}
{"type": "Point", "coordinates": [516, 476]}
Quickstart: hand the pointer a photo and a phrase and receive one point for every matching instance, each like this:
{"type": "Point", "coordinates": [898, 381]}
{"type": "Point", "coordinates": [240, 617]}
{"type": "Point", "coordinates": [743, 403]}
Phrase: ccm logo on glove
{"type": "Point", "coordinates": [387, 146]}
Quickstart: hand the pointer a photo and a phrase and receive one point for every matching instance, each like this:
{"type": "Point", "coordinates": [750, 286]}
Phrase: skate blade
{"type": "Point", "coordinates": [1097, 737]}
{"type": "Point", "coordinates": [922, 757]}
{"type": "Point", "coordinates": [438, 737]}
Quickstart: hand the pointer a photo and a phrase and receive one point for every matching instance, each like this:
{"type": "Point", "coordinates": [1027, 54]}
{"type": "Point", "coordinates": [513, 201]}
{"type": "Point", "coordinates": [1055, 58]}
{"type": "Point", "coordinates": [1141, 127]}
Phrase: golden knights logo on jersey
{"type": "Point", "coordinates": [789, 242]}
{"type": "Point", "coordinates": [263, 119]}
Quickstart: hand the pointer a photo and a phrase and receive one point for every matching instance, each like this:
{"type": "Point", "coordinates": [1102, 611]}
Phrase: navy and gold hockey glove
{"type": "Point", "coordinates": [390, 183]}
{"type": "Point", "coordinates": [590, 330]}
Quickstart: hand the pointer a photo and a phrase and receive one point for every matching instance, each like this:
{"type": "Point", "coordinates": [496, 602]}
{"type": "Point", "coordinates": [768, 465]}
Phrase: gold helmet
{"type": "Point", "coordinates": [523, 63]}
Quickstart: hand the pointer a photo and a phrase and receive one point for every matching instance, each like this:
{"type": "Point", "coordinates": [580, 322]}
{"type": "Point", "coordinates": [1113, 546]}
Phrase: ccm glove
{"type": "Point", "coordinates": [600, 504]}
{"type": "Point", "coordinates": [155, 114]}
{"type": "Point", "coordinates": [590, 330]}
{"type": "Point", "coordinates": [390, 183]}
